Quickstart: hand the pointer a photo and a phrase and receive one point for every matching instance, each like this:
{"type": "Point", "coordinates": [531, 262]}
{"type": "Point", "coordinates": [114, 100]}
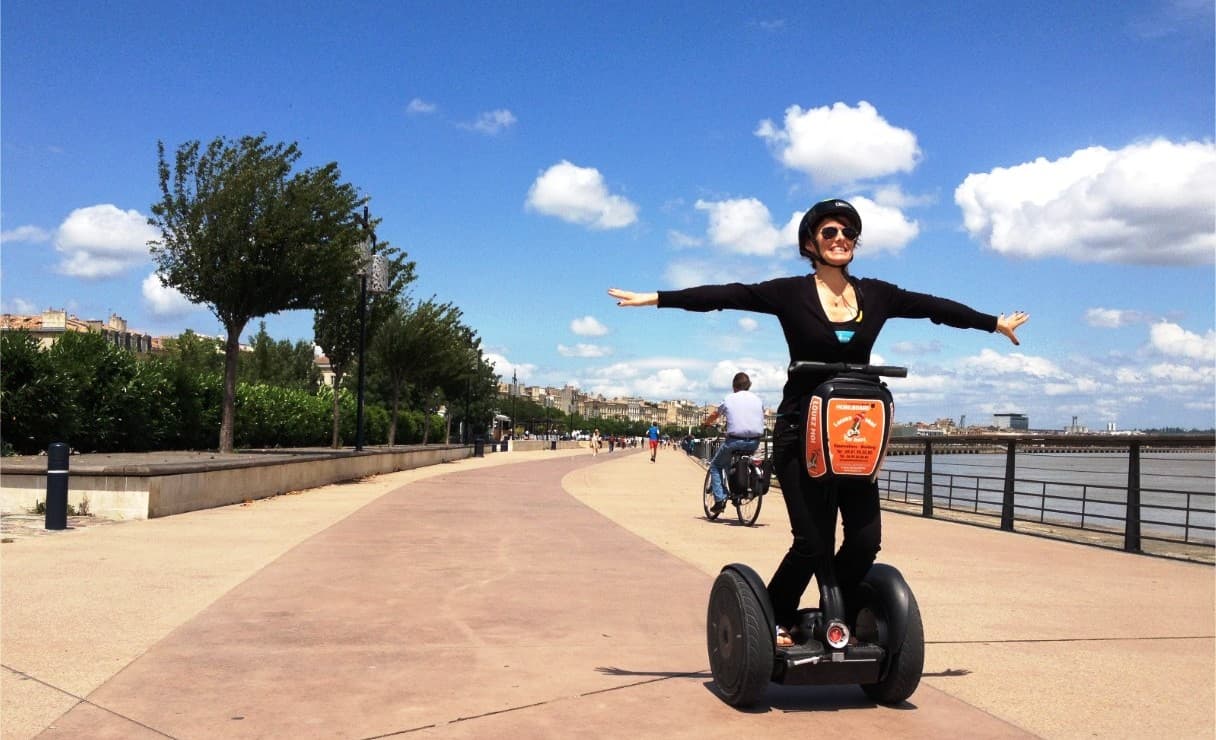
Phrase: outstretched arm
{"type": "Point", "coordinates": [629, 298]}
{"type": "Point", "coordinates": [1007, 325]}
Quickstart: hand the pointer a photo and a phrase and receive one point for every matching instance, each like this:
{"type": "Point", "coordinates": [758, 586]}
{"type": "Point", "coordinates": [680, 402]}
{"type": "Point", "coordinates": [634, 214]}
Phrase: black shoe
{"type": "Point", "coordinates": [717, 507]}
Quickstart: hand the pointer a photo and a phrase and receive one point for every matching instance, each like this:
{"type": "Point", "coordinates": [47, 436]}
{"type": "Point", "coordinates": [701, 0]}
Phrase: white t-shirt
{"type": "Point", "coordinates": [744, 412]}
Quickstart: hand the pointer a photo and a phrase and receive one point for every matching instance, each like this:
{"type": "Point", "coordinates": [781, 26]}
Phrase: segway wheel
{"type": "Point", "coordinates": [707, 498]}
{"type": "Point", "coordinates": [904, 667]}
{"type": "Point", "coordinates": [740, 641]}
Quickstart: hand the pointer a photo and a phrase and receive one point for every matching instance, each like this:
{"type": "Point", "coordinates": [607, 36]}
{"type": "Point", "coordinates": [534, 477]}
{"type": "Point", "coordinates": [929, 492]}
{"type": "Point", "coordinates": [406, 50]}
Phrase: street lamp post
{"type": "Point", "coordinates": [373, 278]}
{"type": "Point", "coordinates": [369, 242]}
{"type": "Point", "coordinates": [514, 391]}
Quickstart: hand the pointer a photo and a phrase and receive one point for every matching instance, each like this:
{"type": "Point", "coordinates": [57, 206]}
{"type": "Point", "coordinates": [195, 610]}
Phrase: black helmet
{"type": "Point", "coordinates": [820, 211]}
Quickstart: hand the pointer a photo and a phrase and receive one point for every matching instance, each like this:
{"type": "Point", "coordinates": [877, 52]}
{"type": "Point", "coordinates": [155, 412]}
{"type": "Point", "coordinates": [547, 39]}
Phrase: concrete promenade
{"type": "Point", "coordinates": [557, 594]}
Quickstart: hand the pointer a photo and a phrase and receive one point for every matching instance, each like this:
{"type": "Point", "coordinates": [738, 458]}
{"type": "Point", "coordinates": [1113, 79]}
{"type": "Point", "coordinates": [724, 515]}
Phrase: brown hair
{"type": "Point", "coordinates": [741, 382]}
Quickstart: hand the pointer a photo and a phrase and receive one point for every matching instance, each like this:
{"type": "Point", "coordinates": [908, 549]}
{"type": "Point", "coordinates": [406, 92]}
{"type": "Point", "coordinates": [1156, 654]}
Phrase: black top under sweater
{"type": "Point", "coordinates": [808, 331]}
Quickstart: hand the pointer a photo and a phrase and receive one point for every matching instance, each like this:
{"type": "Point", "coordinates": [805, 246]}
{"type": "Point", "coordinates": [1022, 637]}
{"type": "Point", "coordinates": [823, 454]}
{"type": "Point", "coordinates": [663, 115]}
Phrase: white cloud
{"type": "Point", "coordinates": [895, 197]}
{"type": "Point", "coordinates": [1148, 203]}
{"type": "Point", "coordinates": [883, 228]}
{"type": "Point", "coordinates": [1111, 318]}
{"type": "Point", "coordinates": [492, 122]}
{"type": "Point", "coordinates": [583, 350]}
{"type": "Point", "coordinates": [418, 106]}
{"type": "Point", "coordinates": [20, 306]}
{"type": "Point", "coordinates": [839, 145]}
{"type": "Point", "coordinates": [1014, 363]}
{"type": "Point", "coordinates": [745, 226]}
{"type": "Point", "coordinates": [772, 25]}
{"type": "Point", "coordinates": [1128, 376]}
{"type": "Point", "coordinates": [768, 379]}
{"type": "Point", "coordinates": [667, 383]}
{"type": "Point", "coordinates": [578, 195]}
{"type": "Point", "coordinates": [748, 324]}
{"type": "Point", "coordinates": [505, 368]}
{"type": "Point", "coordinates": [32, 234]}
{"type": "Point", "coordinates": [588, 326]}
{"type": "Point", "coordinates": [102, 241]}
{"type": "Point", "coordinates": [689, 274]}
{"type": "Point", "coordinates": [1171, 339]}
{"type": "Point", "coordinates": [930, 347]}
{"type": "Point", "coordinates": [163, 301]}
{"type": "Point", "coordinates": [1183, 375]}
{"type": "Point", "coordinates": [681, 240]}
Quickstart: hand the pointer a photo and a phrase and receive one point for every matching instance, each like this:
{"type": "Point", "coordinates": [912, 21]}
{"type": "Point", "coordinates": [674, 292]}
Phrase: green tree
{"type": "Point", "coordinates": [469, 382]}
{"type": "Point", "coordinates": [279, 363]}
{"type": "Point", "coordinates": [195, 353]}
{"type": "Point", "coordinates": [243, 235]}
{"type": "Point", "coordinates": [336, 324]}
{"type": "Point", "coordinates": [35, 408]}
{"type": "Point", "coordinates": [407, 346]}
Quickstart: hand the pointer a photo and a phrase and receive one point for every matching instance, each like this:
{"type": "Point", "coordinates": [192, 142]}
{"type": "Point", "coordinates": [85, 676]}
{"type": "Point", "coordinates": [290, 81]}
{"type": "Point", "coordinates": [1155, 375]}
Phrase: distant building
{"type": "Point", "coordinates": [51, 325]}
{"type": "Point", "coordinates": [1075, 428]}
{"type": "Point", "coordinates": [1011, 421]}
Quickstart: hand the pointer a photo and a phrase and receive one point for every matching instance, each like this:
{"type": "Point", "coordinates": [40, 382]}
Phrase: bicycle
{"type": "Point", "coordinates": [747, 480]}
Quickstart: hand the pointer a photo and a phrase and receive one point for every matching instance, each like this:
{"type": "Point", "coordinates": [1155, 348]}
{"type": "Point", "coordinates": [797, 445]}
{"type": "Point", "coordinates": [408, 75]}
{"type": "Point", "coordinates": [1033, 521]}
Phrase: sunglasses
{"type": "Point", "coordinates": [829, 232]}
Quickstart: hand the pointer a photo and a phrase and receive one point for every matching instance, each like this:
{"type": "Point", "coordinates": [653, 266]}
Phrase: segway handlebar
{"type": "Point", "coordinates": [890, 371]}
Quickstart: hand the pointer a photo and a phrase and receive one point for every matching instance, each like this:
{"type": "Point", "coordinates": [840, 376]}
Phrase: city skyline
{"type": "Point", "coordinates": [1047, 157]}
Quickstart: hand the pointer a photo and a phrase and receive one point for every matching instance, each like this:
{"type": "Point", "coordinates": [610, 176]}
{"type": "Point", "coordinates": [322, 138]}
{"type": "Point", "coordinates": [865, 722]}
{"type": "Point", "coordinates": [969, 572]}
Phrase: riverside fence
{"type": "Point", "coordinates": [1137, 488]}
{"type": "Point", "coordinates": [1126, 491]}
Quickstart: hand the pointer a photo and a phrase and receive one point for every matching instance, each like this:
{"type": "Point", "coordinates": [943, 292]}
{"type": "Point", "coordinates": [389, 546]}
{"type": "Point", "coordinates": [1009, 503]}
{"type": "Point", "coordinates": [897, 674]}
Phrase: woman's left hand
{"type": "Point", "coordinates": [1008, 325]}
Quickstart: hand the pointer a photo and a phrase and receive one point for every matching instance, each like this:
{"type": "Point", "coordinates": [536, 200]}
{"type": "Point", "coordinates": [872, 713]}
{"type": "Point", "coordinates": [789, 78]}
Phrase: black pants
{"type": "Point", "coordinates": [813, 521]}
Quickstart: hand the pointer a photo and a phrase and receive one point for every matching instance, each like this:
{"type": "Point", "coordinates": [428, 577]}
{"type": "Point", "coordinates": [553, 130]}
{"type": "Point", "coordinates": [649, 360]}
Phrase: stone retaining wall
{"type": "Point", "coordinates": [151, 490]}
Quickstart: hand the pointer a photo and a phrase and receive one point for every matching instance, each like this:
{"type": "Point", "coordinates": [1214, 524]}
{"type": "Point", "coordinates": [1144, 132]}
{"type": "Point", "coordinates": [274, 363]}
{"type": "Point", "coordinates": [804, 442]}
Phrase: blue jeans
{"type": "Point", "coordinates": [721, 462]}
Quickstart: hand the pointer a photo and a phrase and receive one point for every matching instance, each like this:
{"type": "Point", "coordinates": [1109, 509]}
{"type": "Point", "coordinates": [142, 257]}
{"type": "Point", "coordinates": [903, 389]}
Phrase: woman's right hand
{"type": "Point", "coordinates": [629, 298]}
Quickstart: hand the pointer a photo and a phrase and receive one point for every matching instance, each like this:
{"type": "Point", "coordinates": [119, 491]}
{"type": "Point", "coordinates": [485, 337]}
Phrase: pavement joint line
{"type": "Point", "coordinates": [82, 700]}
{"type": "Point", "coordinates": [395, 733]}
{"type": "Point", "coordinates": [483, 715]}
{"type": "Point", "coordinates": [1068, 639]}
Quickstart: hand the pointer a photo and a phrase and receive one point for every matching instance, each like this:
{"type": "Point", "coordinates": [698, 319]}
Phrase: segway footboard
{"type": "Point", "coordinates": [811, 665]}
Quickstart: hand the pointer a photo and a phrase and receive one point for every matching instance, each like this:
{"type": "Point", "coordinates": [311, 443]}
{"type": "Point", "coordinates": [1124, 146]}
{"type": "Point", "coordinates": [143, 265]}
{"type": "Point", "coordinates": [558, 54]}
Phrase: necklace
{"type": "Point", "coordinates": [837, 299]}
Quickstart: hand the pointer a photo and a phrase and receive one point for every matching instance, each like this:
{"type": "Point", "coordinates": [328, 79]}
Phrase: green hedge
{"type": "Point", "coordinates": [99, 398]}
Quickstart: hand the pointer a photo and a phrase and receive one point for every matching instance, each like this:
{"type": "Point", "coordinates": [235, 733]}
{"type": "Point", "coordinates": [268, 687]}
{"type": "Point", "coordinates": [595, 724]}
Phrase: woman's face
{"type": "Point", "coordinates": [836, 250]}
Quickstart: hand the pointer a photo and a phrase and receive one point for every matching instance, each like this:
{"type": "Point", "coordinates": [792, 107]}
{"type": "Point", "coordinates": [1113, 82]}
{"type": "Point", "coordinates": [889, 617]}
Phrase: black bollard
{"type": "Point", "coordinates": [57, 486]}
{"type": "Point", "coordinates": [1007, 502]}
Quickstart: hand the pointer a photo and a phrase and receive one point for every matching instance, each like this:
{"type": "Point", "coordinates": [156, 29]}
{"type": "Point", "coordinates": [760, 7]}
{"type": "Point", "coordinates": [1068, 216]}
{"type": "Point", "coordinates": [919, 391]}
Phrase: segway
{"type": "Point", "coordinates": [879, 643]}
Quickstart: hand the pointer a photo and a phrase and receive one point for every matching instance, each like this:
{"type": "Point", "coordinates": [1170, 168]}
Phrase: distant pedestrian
{"type": "Point", "coordinates": [653, 435]}
{"type": "Point", "coordinates": [595, 442]}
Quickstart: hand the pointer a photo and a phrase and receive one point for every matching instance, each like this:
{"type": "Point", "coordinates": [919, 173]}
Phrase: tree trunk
{"type": "Point", "coordinates": [426, 424]}
{"type": "Point", "coordinates": [232, 354]}
{"type": "Point", "coordinates": [392, 422]}
{"type": "Point", "coordinates": [336, 443]}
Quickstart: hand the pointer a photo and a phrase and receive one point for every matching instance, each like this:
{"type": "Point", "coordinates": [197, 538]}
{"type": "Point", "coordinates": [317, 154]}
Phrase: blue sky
{"type": "Point", "coordinates": [1056, 158]}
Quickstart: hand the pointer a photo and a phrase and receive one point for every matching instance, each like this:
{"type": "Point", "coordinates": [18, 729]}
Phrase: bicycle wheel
{"type": "Point", "coordinates": [707, 497]}
{"type": "Point", "coordinates": [747, 507]}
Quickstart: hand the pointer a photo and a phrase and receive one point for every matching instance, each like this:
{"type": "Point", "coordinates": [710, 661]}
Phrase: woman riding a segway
{"type": "Point", "coordinates": [828, 316]}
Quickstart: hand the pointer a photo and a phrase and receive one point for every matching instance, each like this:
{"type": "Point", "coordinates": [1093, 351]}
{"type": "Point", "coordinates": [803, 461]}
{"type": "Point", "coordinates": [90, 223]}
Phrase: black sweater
{"type": "Point", "coordinates": [809, 333]}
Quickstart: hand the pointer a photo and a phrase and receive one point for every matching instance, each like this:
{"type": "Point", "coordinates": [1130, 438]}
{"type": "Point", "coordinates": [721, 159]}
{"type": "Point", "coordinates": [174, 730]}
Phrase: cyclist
{"type": "Point", "coordinates": [744, 412]}
{"type": "Point", "coordinates": [826, 316]}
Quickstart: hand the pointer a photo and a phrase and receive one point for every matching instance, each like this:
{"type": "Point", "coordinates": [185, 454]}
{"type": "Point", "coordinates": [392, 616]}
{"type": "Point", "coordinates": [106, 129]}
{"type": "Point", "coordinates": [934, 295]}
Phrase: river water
{"type": "Point", "coordinates": [1089, 489]}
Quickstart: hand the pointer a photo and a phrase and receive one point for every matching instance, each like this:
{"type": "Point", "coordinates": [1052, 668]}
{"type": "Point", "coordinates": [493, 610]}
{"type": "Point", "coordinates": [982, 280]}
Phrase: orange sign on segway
{"type": "Point", "coordinates": [848, 423]}
{"type": "Point", "coordinates": [857, 434]}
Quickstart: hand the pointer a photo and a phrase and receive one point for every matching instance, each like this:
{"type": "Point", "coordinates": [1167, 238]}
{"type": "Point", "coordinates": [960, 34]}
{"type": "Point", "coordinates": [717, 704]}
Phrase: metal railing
{"type": "Point", "coordinates": [1110, 493]}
